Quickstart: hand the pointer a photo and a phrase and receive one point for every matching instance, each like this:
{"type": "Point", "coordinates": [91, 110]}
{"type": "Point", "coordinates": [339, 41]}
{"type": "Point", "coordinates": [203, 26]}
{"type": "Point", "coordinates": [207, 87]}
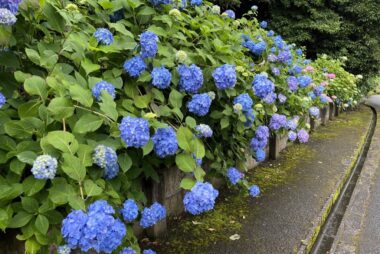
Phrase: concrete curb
{"type": "Point", "coordinates": [307, 244]}
{"type": "Point", "coordinates": [347, 237]}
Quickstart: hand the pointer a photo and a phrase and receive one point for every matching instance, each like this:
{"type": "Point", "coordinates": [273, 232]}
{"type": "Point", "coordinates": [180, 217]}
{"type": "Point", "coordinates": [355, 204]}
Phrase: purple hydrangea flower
{"type": "Point", "coordinates": [190, 78]}
{"type": "Point", "coordinates": [292, 83]}
{"type": "Point", "coordinates": [234, 175]}
{"type": "Point", "coordinates": [199, 104]}
{"type": "Point", "coordinates": [200, 199]}
{"type": "Point", "coordinates": [161, 77]}
{"type": "Point", "coordinates": [148, 42]}
{"type": "Point", "coordinates": [282, 98]}
{"type": "Point", "coordinates": [272, 58]}
{"type": "Point", "coordinates": [318, 90]}
{"type": "Point", "coordinates": [292, 136]}
{"type": "Point", "coordinates": [270, 98]}
{"type": "Point", "coordinates": [151, 215]}
{"type": "Point", "coordinates": [11, 5]}
{"type": "Point", "coordinates": [135, 66]}
{"type": "Point", "coordinates": [130, 210]}
{"type": "Point", "coordinates": [225, 76]}
{"type": "Point", "coordinates": [165, 142]}
{"type": "Point", "coordinates": [277, 121]}
{"type": "Point", "coordinates": [257, 144]}
{"type": "Point", "coordinates": [262, 132]}
{"type": "Point", "coordinates": [103, 36]}
{"type": "Point", "coordinates": [292, 124]}
{"type": "Point", "coordinates": [254, 190]}
{"type": "Point", "coordinates": [314, 112]}
{"type": "Point", "coordinates": [284, 56]}
{"type": "Point", "coordinates": [134, 131]}
{"type": "Point", "coordinates": [103, 86]}
{"type": "Point", "coordinates": [276, 71]}
{"type": "Point", "coordinates": [303, 136]}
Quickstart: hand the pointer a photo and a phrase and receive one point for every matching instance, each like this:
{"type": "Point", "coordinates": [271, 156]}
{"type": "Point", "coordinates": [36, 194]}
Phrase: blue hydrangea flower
{"type": "Point", "coordinates": [72, 227]}
{"type": "Point", "coordinates": [256, 48]}
{"type": "Point", "coordinates": [160, 2]}
{"type": "Point", "coordinates": [100, 206]}
{"type": "Point", "coordinates": [264, 24]}
{"type": "Point", "coordinates": [279, 42]}
{"type": "Point", "coordinates": [135, 66]}
{"type": "Point", "coordinates": [149, 251]}
{"type": "Point", "coordinates": [244, 100]}
{"type": "Point", "coordinates": [277, 121]}
{"type": "Point", "coordinates": [225, 76]}
{"type": "Point", "coordinates": [200, 199]}
{"type": "Point", "coordinates": [323, 99]}
{"type": "Point", "coordinates": [314, 112]}
{"type": "Point", "coordinates": [234, 175]}
{"type": "Point", "coordinates": [262, 86]}
{"type": "Point", "coordinates": [11, 5]}
{"type": "Point", "coordinates": [276, 71]}
{"type": "Point", "coordinates": [282, 98]}
{"type": "Point", "coordinates": [161, 77]}
{"type": "Point", "coordinates": [295, 70]}
{"type": "Point", "coordinates": [148, 42]}
{"type": "Point", "coordinates": [254, 190]}
{"type": "Point", "coordinates": [151, 215]}
{"type": "Point", "coordinates": [64, 249]}
{"type": "Point", "coordinates": [104, 155]}
{"type": "Point", "coordinates": [130, 210]}
{"type": "Point", "coordinates": [204, 131]}
{"type": "Point", "coordinates": [190, 78]}
{"type": "Point", "coordinates": [165, 142]}
{"type": "Point", "coordinates": [270, 98]}
{"type": "Point", "coordinates": [44, 167]}
{"type": "Point", "coordinates": [307, 61]}
{"type": "Point", "coordinates": [292, 83]}
{"type": "Point", "coordinates": [3, 100]}
{"type": "Point", "coordinates": [250, 116]}
{"type": "Point", "coordinates": [7, 17]}
{"type": "Point", "coordinates": [304, 80]}
{"type": "Point", "coordinates": [272, 58]}
{"type": "Point", "coordinates": [273, 50]}
{"type": "Point", "coordinates": [311, 95]}
{"type": "Point", "coordinates": [260, 155]}
{"type": "Point", "coordinates": [134, 131]}
{"type": "Point", "coordinates": [128, 250]}
{"type": "Point", "coordinates": [196, 2]}
{"type": "Point", "coordinates": [292, 136]}
{"type": "Point", "coordinates": [303, 136]}
{"type": "Point", "coordinates": [257, 144]}
{"type": "Point", "coordinates": [230, 14]}
{"type": "Point", "coordinates": [292, 124]}
{"type": "Point", "coordinates": [199, 104]}
{"type": "Point", "coordinates": [111, 171]}
{"type": "Point", "coordinates": [285, 56]}
{"type": "Point", "coordinates": [270, 33]}
{"type": "Point", "coordinates": [299, 52]}
{"type": "Point", "coordinates": [103, 36]}
{"type": "Point", "coordinates": [103, 86]}
{"type": "Point", "coordinates": [262, 132]}
{"type": "Point", "coordinates": [318, 90]}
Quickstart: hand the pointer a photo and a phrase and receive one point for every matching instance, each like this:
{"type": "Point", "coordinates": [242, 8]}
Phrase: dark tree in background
{"type": "Point", "coordinates": [338, 28]}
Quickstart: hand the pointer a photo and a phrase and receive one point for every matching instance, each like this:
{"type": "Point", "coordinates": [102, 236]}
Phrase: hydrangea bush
{"type": "Point", "coordinates": [96, 97]}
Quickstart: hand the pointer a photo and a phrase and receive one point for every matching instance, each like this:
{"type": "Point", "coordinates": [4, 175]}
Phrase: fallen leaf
{"type": "Point", "coordinates": [234, 237]}
{"type": "Point", "coordinates": [196, 222]}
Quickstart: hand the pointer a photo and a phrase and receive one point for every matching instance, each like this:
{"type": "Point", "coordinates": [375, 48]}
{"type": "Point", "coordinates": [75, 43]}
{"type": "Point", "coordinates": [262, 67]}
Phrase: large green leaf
{"type": "Point", "coordinates": [73, 167]}
{"type": "Point", "coordinates": [36, 85]}
{"type": "Point", "coordinates": [185, 162]}
{"type": "Point", "coordinates": [61, 140]}
{"type": "Point", "coordinates": [184, 137]}
{"type": "Point", "coordinates": [42, 224]}
{"type": "Point", "coordinates": [87, 123]}
{"type": "Point", "coordinates": [81, 95]}
{"type": "Point", "coordinates": [91, 188]}
{"type": "Point", "coordinates": [61, 107]}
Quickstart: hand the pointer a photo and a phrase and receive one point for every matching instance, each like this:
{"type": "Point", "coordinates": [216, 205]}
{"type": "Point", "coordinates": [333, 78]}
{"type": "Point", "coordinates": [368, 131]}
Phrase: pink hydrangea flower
{"type": "Point", "coordinates": [331, 75]}
{"type": "Point", "coordinates": [334, 97]}
{"type": "Point", "coordinates": [309, 68]}
{"type": "Point", "coordinates": [324, 83]}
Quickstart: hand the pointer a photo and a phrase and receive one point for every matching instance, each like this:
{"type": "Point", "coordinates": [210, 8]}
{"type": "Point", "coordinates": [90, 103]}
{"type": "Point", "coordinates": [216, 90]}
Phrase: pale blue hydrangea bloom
{"type": "Point", "coordinates": [44, 167]}
{"type": "Point", "coordinates": [234, 175]}
{"type": "Point", "coordinates": [7, 17]}
{"type": "Point", "coordinates": [64, 249]}
{"type": "Point", "coordinates": [151, 215]}
{"type": "Point", "coordinates": [103, 86]}
{"type": "Point", "coordinates": [204, 131]}
{"type": "Point", "coordinates": [130, 210]}
{"type": "Point", "coordinates": [3, 100]}
{"type": "Point", "coordinates": [128, 250]}
{"type": "Point", "coordinates": [254, 190]}
{"type": "Point", "coordinates": [200, 199]}
{"type": "Point", "coordinates": [103, 36]}
{"type": "Point", "coordinates": [134, 131]}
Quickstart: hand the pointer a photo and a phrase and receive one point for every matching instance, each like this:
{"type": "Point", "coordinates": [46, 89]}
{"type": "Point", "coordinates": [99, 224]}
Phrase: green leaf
{"type": "Point", "coordinates": [29, 109]}
{"type": "Point", "coordinates": [184, 137]}
{"type": "Point", "coordinates": [85, 155]}
{"type": "Point", "coordinates": [27, 157]}
{"type": "Point", "coordinates": [81, 95]}
{"type": "Point", "coordinates": [54, 20]}
{"type": "Point", "coordinates": [125, 162]}
{"type": "Point", "coordinates": [175, 98]}
{"type": "Point", "coordinates": [108, 106]}
{"type": "Point", "coordinates": [73, 167]}
{"type": "Point", "coordinates": [20, 219]}
{"type": "Point", "coordinates": [148, 147]}
{"type": "Point", "coordinates": [29, 204]}
{"type": "Point", "coordinates": [185, 162]}
{"type": "Point", "coordinates": [42, 224]}
{"type": "Point", "coordinates": [36, 85]}
{"type": "Point", "coordinates": [197, 148]}
{"type": "Point", "coordinates": [121, 29]}
{"type": "Point", "coordinates": [76, 202]}
{"type": "Point", "coordinates": [142, 101]}
{"type": "Point", "coordinates": [33, 55]}
{"type": "Point", "coordinates": [224, 123]}
{"type": "Point", "coordinates": [61, 140]}
{"type": "Point", "coordinates": [31, 185]}
{"type": "Point", "coordinates": [199, 174]}
{"type": "Point", "coordinates": [190, 122]}
{"type": "Point", "coordinates": [17, 166]}
{"type": "Point", "coordinates": [60, 108]}
{"type": "Point", "coordinates": [91, 188]}
{"type": "Point", "coordinates": [89, 67]}
{"type": "Point", "coordinates": [187, 183]}
{"type": "Point", "coordinates": [32, 246]}
{"type": "Point", "coordinates": [87, 123]}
